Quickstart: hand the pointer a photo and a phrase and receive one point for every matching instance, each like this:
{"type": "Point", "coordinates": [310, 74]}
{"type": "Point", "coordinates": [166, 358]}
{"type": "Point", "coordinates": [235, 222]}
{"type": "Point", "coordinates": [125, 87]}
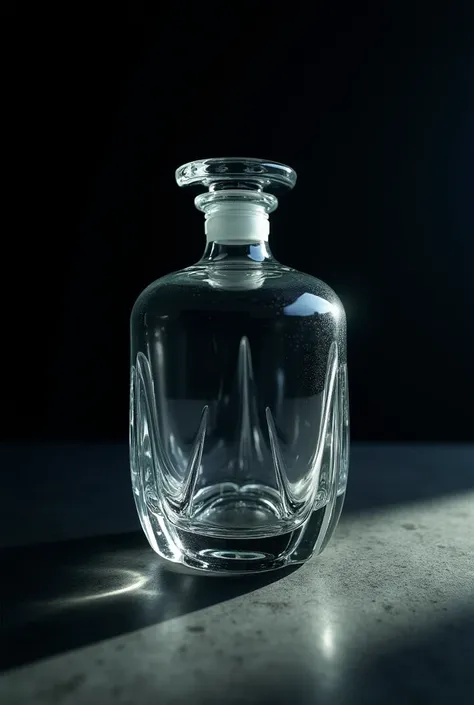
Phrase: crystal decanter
{"type": "Point", "coordinates": [239, 419]}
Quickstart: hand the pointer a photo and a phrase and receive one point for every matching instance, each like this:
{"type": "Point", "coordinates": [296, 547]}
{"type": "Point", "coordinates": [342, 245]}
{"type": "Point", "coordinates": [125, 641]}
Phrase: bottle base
{"type": "Point", "coordinates": [187, 551]}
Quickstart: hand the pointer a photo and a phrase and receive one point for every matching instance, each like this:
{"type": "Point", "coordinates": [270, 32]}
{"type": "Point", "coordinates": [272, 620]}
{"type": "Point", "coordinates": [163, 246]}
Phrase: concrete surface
{"type": "Point", "coordinates": [385, 616]}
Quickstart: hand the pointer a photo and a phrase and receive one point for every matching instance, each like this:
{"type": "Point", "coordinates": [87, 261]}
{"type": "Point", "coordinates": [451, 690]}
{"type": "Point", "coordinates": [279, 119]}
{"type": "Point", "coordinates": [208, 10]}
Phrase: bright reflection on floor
{"type": "Point", "coordinates": [108, 583]}
{"type": "Point", "coordinates": [328, 642]}
{"type": "Point", "coordinates": [126, 581]}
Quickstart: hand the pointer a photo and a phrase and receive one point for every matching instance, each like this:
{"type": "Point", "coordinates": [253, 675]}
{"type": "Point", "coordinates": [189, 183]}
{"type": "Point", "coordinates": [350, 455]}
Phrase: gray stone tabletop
{"type": "Point", "coordinates": [385, 615]}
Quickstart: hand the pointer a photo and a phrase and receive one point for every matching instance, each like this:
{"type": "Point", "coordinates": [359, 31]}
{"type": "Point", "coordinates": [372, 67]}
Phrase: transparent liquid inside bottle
{"type": "Point", "coordinates": [239, 423]}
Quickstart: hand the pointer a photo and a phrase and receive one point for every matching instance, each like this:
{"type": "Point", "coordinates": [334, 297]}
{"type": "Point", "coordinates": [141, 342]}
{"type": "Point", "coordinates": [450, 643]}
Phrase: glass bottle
{"type": "Point", "coordinates": [239, 425]}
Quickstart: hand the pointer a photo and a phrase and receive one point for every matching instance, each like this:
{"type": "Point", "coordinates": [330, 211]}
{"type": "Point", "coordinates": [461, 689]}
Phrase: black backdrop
{"type": "Point", "coordinates": [374, 111]}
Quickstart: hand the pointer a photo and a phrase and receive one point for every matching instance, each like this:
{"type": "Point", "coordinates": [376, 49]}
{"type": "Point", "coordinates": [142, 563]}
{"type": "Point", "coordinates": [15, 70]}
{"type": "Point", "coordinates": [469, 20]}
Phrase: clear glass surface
{"type": "Point", "coordinates": [239, 421]}
{"type": "Point", "coordinates": [220, 170]}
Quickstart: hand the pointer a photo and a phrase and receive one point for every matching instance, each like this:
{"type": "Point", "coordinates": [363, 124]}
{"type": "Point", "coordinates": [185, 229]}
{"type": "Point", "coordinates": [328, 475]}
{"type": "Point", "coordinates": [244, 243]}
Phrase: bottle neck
{"type": "Point", "coordinates": [236, 223]}
{"type": "Point", "coordinates": [237, 252]}
{"type": "Point", "coordinates": [236, 226]}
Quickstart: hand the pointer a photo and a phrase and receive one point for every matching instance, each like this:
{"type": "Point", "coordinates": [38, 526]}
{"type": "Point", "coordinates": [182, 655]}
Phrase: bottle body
{"type": "Point", "coordinates": [239, 416]}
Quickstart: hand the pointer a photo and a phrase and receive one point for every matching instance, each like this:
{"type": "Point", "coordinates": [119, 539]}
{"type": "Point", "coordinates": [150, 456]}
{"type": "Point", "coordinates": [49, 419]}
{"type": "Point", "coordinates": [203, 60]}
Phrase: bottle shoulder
{"type": "Point", "coordinates": [271, 286]}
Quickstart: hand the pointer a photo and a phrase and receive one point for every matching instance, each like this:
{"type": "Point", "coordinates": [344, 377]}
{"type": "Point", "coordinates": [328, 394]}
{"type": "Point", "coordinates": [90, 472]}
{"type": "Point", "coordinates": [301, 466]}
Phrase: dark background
{"type": "Point", "coordinates": [375, 112]}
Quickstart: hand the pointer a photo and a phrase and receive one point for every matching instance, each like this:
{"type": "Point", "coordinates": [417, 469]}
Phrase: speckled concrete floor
{"type": "Point", "coordinates": [384, 616]}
